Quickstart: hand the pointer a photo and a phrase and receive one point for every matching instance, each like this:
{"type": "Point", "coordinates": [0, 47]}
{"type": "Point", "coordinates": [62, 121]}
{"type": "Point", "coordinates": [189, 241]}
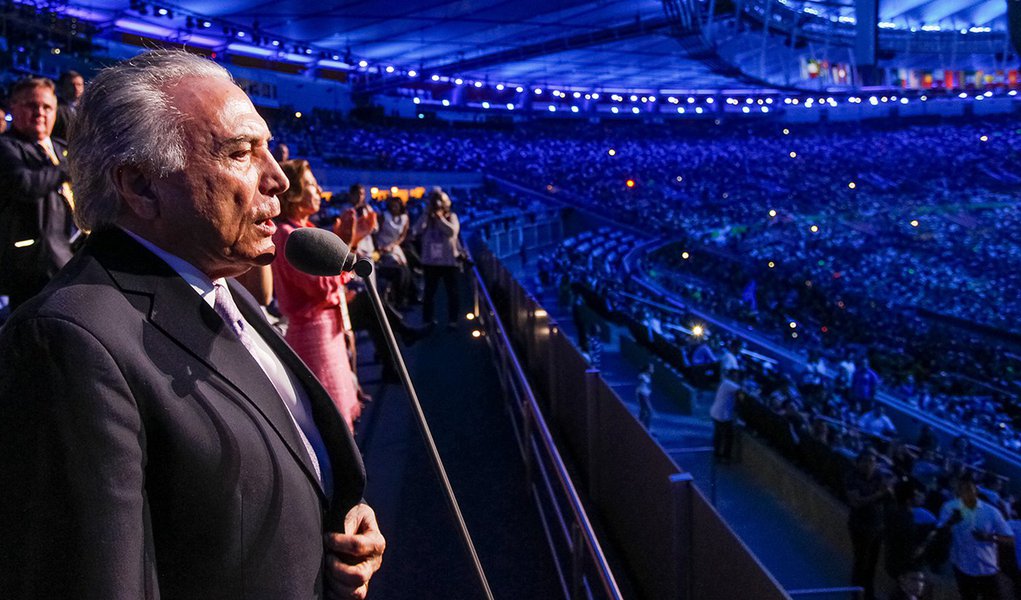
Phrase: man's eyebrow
{"type": "Point", "coordinates": [241, 139]}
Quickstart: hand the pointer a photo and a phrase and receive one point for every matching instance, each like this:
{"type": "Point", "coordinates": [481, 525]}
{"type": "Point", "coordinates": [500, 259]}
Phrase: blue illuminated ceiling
{"type": "Point", "coordinates": [527, 42]}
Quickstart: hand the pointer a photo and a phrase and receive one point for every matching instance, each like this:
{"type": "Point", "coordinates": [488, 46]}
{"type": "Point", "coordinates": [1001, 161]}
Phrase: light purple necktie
{"type": "Point", "coordinates": [228, 311]}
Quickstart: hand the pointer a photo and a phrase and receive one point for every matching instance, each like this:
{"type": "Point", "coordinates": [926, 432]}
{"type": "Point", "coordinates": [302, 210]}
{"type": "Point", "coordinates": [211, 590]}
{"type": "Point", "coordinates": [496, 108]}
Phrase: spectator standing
{"type": "Point", "coordinates": [644, 395]}
{"type": "Point", "coordinates": [867, 492]}
{"type": "Point", "coordinates": [864, 384]}
{"type": "Point", "coordinates": [722, 413]}
{"type": "Point", "coordinates": [975, 530]}
{"type": "Point", "coordinates": [438, 229]}
{"type": "Point", "coordinates": [70, 88]}
{"type": "Point", "coordinates": [35, 195]}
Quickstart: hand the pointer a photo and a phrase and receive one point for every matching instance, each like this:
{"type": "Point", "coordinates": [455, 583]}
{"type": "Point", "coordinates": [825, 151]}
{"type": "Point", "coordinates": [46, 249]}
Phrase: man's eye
{"type": "Point", "coordinates": [240, 154]}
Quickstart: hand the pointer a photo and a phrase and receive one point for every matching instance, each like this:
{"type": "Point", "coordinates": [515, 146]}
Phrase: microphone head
{"type": "Point", "coordinates": [318, 252]}
{"type": "Point", "coordinates": [363, 268]}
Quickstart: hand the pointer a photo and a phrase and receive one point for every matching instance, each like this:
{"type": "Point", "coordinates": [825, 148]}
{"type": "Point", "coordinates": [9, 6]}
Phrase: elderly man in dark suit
{"type": "Point", "coordinates": [35, 217]}
{"type": "Point", "coordinates": [157, 438]}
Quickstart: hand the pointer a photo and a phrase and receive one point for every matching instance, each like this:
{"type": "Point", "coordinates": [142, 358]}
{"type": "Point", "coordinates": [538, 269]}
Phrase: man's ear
{"type": "Point", "coordinates": [137, 191]}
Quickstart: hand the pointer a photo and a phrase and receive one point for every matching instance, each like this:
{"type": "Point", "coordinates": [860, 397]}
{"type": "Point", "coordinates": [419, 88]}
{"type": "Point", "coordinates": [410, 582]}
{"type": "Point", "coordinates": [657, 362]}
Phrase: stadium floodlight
{"type": "Point", "coordinates": [709, 100]}
{"type": "Point", "coordinates": [510, 106]}
{"type": "Point", "coordinates": [458, 81]}
{"type": "Point", "coordinates": [390, 69]}
{"type": "Point", "coordinates": [485, 105]}
{"type": "Point", "coordinates": [552, 108]}
{"type": "Point", "coordinates": [538, 91]}
{"type": "Point", "coordinates": [680, 109]}
{"type": "Point", "coordinates": [411, 73]}
{"type": "Point", "coordinates": [635, 109]}
{"type": "Point", "coordinates": [499, 87]}
{"type": "Point", "coordinates": [614, 110]}
{"type": "Point", "coordinates": [577, 94]}
{"type": "Point", "coordinates": [416, 100]}
{"type": "Point", "coordinates": [446, 102]}
{"type": "Point", "coordinates": [363, 64]}
{"type": "Point", "coordinates": [698, 109]}
{"type": "Point", "coordinates": [478, 84]}
{"type": "Point", "coordinates": [435, 78]}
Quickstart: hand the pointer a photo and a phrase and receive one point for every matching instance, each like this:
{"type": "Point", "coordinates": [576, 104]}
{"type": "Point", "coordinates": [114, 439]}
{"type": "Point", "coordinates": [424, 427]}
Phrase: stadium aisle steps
{"type": "Point", "coordinates": [462, 399]}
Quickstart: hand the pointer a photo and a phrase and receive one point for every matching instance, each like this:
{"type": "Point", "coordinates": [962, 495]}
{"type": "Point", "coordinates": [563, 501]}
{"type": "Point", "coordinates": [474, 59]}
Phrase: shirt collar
{"type": "Point", "coordinates": [198, 280]}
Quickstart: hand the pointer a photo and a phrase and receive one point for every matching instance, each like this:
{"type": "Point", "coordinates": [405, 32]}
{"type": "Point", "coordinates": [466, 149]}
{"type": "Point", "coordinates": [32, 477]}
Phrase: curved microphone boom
{"type": "Point", "coordinates": [318, 252]}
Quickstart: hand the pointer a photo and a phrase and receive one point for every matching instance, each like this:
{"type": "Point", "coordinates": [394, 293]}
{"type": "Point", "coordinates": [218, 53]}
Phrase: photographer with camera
{"type": "Point", "coordinates": [437, 230]}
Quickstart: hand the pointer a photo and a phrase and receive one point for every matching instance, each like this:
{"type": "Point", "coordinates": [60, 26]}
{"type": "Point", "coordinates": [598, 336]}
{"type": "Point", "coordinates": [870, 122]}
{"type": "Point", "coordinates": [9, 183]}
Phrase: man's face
{"type": "Point", "coordinates": [77, 88]}
{"type": "Point", "coordinates": [358, 197]}
{"type": "Point", "coordinates": [217, 212]}
{"type": "Point", "coordinates": [34, 113]}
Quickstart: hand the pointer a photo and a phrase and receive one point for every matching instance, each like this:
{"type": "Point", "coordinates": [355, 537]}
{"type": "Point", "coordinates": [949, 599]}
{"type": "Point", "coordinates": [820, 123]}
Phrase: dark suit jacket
{"type": "Point", "coordinates": [31, 208]}
{"type": "Point", "coordinates": [144, 453]}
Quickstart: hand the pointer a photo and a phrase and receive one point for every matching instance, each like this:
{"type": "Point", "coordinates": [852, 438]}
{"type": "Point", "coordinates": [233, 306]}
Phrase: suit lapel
{"type": "Point", "coordinates": [184, 316]}
{"type": "Point", "coordinates": [346, 460]}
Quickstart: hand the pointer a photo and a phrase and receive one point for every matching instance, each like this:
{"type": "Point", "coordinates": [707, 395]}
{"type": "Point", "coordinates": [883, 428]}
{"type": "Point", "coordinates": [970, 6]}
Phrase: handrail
{"type": "Point", "coordinates": [581, 520]}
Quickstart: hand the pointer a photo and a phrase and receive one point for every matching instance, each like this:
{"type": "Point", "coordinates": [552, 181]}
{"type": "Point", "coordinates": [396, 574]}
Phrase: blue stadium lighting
{"type": "Point", "coordinates": [644, 99]}
{"type": "Point", "coordinates": [634, 98]}
{"type": "Point", "coordinates": [445, 102]}
{"type": "Point", "coordinates": [988, 94]}
{"type": "Point", "coordinates": [709, 100]}
{"type": "Point", "coordinates": [963, 96]}
{"type": "Point", "coordinates": [680, 110]}
{"type": "Point", "coordinates": [1010, 93]}
{"type": "Point", "coordinates": [924, 98]}
{"type": "Point", "coordinates": [577, 94]}
{"type": "Point", "coordinates": [595, 96]}
{"type": "Point", "coordinates": [538, 91]}
{"type": "Point", "coordinates": [435, 77]}
{"type": "Point", "coordinates": [308, 51]}
{"type": "Point", "coordinates": [510, 106]}
{"type": "Point", "coordinates": [162, 12]}
{"type": "Point", "coordinates": [588, 96]}
{"type": "Point", "coordinates": [485, 105]}
{"type": "Point", "coordinates": [458, 81]}
{"type": "Point", "coordinates": [745, 109]}
{"type": "Point", "coordinates": [873, 101]}
{"type": "Point", "coordinates": [614, 110]}
{"type": "Point", "coordinates": [206, 24]}
{"type": "Point", "coordinates": [389, 69]}
{"type": "Point", "coordinates": [416, 100]}
{"type": "Point", "coordinates": [412, 73]}
{"type": "Point", "coordinates": [903, 100]}
{"type": "Point", "coordinates": [748, 101]}
{"type": "Point", "coordinates": [552, 108]}
{"type": "Point", "coordinates": [786, 131]}
{"type": "Point", "coordinates": [652, 98]}
{"type": "Point", "coordinates": [764, 109]}
{"type": "Point", "coordinates": [574, 109]}
{"type": "Point", "coordinates": [241, 34]}
{"type": "Point", "coordinates": [276, 43]}
{"type": "Point", "coordinates": [519, 89]}
{"type": "Point", "coordinates": [691, 99]}
{"type": "Point", "coordinates": [698, 110]}
{"type": "Point", "coordinates": [794, 101]}
{"type": "Point", "coordinates": [478, 84]}
{"type": "Point", "coordinates": [635, 110]}
{"type": "Point", "coordinates": [499, 87]}
{"type": "Point", "coordinates": [363, 64]}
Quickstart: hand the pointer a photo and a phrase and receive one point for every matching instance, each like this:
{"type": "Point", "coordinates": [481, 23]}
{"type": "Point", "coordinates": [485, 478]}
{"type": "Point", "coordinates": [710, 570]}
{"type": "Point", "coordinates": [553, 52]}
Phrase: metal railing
{"type": "Point", "coordinates": [580, 562]}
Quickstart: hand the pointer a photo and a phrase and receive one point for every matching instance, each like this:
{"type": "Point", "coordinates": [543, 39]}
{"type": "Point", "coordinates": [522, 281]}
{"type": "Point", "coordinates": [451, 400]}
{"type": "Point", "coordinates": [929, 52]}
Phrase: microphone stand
{"type": "Point", "coordinates": [363, 268]}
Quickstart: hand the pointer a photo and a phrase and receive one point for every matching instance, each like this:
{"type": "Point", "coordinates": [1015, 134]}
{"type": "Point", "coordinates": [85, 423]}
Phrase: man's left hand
{"type": "Point", "coordinates": [354, 556]}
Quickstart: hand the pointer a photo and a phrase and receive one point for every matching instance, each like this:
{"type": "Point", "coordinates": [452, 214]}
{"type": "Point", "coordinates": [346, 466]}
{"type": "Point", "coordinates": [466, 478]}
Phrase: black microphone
{"type": "Point", "coordinates": [318, 252]}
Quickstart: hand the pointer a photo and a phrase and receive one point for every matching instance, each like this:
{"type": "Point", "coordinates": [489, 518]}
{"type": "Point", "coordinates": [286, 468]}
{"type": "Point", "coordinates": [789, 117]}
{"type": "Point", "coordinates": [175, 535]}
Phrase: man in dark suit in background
{"type": "Point", "coordinates": [70, 88]}
{"type": "Point", "coordinates": [35, 216]}
{"type": "Point", "coordinates": [157, 437]}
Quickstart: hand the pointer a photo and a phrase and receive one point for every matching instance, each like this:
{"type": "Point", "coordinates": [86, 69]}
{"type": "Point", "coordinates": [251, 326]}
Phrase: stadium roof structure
{"type": "Point", "coordinates": [581, 44]}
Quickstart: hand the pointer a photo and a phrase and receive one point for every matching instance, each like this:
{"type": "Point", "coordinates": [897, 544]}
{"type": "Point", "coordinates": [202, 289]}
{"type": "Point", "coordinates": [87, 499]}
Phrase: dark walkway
{"type": "Point", "coordinates": [461, 397]}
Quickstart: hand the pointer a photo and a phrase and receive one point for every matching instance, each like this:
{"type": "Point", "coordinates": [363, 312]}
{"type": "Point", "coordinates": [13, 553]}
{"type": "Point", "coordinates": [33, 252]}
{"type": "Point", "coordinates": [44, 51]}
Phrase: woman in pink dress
{"type": "Point", "coordinates": [312, 305]}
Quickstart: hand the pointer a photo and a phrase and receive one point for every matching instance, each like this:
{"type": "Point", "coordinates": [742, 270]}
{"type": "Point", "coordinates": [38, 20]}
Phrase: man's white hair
{"type": "Point", "coordinates": [126, 118]}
